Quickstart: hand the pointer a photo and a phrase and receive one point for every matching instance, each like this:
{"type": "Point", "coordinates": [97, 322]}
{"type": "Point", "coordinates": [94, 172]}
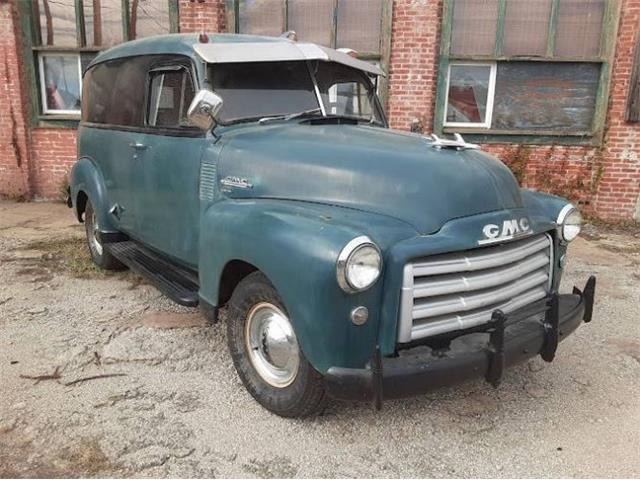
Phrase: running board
{"type": "Point", "coordinates": [176, 282]}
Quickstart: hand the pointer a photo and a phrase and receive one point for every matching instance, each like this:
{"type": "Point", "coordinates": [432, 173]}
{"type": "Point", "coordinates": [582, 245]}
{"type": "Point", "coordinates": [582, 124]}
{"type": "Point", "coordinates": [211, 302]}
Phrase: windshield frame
{"type": "Point", "coordinates": [370, 85]}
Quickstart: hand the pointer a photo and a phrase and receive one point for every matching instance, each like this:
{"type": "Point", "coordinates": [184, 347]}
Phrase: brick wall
{"type": "Point", "coordinates": [605, 180]}
{"type": "Point", "coordinates": [14, 153]}
{"type": "Point", "coordinates": [202, 16]}
{"type": "Point", "coordinates": [413, 71]}
{"type": "Point", "coordinates": [619, 189]}
{"type": "Point", "coordinates": [53, 153]}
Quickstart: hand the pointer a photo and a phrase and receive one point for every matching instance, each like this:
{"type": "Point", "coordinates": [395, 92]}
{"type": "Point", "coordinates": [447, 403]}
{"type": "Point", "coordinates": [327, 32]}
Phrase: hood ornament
{"type": "Point", "coordinates": [459, 143]}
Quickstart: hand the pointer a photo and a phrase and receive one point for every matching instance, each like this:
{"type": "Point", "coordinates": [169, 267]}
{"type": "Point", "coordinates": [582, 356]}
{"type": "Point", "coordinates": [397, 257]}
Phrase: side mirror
{"type": "Point", "coordinates": [204, 108]}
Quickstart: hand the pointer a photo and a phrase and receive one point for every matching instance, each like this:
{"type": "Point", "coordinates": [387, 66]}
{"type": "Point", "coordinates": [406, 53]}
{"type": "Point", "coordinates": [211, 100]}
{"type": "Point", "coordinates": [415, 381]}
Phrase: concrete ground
{"type": "Point", "coordinates": [173, 405]}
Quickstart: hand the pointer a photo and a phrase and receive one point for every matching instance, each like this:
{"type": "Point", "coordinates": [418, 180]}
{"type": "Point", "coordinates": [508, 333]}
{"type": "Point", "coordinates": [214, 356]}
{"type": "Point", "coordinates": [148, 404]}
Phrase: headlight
{"type": "Point", "coordinates": [569, 223]}
{"type": "Point", "coordinates": [359, 265]}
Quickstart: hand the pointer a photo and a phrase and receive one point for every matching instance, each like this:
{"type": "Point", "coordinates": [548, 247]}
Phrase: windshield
{"type": "Point", "coordinates": [266, 89]}
{"type": "Point", "coordinates": [345, 91]}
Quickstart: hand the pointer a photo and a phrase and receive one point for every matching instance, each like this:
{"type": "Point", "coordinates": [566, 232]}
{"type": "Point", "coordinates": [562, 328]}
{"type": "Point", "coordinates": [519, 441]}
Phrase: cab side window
{"type": "Point", "coordinates": [170, 94]}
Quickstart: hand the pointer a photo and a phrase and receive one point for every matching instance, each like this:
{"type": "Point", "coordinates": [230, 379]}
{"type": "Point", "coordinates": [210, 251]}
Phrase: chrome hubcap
{"type": "Point", "coordinates": [93, 235]}
{"type": "Point", "coordinates": [272, 345]}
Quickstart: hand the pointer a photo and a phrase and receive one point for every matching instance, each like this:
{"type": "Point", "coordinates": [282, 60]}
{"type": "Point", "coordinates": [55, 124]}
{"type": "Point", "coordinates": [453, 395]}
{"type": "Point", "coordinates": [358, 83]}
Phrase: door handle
{"type": "Point", "coordinates": [138, 146]}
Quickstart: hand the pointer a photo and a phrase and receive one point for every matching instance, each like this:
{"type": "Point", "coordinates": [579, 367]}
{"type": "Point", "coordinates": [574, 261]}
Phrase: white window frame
{"type": "Point", "coordinates": [43, 89]}
{"type": "Point", "coordinates": [490, 95]}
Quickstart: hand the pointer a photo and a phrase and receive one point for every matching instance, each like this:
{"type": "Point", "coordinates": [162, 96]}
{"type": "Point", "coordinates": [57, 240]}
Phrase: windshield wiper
{"type": "Point", "coordinates": [291, 116]}
{"type": "Point", "coordinates": [334, 117]}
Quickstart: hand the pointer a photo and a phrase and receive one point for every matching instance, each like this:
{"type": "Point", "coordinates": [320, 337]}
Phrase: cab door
{"type": "Point", "coordinates": [167, 164]}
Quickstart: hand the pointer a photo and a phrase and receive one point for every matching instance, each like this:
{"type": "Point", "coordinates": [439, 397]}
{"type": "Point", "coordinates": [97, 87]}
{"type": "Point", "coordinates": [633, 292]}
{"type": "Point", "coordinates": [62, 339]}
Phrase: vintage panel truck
{"type": "Point", "coordinates": [357, 262]}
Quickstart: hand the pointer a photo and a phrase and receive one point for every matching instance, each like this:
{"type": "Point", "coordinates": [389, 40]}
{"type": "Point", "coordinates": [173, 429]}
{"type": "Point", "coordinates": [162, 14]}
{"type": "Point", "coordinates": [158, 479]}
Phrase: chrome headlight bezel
{"type": "Point", "coordinates": [346, 255]}
{"type": "Point", "coordinates": [569, 223]}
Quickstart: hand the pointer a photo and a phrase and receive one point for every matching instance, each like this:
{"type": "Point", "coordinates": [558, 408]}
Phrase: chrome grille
{"type": "Point", "coordinates": [460, 290]}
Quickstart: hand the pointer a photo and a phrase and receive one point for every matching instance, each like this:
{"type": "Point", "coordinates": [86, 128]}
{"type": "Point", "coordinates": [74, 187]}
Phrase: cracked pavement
{"type": "Point", "coordinates": [178, 409]}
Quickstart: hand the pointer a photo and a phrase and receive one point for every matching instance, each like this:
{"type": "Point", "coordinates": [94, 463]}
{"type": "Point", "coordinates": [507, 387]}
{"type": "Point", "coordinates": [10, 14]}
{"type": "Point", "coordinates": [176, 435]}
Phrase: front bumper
{"type": "Point", "coordinates": [483, 351]}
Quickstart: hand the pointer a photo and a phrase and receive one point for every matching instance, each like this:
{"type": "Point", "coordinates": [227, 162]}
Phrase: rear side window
{"type": "Point", "coordinates": [170, 94]}
{"type": "Point", "coordinates": [113, 91]}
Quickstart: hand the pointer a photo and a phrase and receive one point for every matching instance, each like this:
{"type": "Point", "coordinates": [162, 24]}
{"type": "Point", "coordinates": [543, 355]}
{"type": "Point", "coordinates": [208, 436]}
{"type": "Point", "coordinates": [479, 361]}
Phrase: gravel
{"type": "Point", "coordinates": [178, 409]}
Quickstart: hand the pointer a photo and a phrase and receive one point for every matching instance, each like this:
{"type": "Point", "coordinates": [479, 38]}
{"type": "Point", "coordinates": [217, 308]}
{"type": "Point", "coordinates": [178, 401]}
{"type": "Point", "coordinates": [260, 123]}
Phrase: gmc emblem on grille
{"type": "Point", "coordinates": [509, 229]}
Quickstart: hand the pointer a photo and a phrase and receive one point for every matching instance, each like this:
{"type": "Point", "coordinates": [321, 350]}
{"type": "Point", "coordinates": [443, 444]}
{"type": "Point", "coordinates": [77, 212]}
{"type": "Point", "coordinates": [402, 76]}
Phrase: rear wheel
{"type": "Point", "coordinates": [266, 354]}
{"type": "Point", "coordinates": [99, 255]}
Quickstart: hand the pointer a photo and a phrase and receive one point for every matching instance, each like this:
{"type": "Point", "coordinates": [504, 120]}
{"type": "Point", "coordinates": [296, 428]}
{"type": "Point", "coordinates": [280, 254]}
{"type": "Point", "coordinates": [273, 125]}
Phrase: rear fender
{"type": "Point", "coordinates": [86, 178]}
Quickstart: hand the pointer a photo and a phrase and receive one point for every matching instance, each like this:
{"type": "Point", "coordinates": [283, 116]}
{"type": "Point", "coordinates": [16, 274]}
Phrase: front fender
{"type": "Point", "coordinates": [296, 245]}
{"type": "Point", "coordinates": [546, 207]}
{"type": "Point", "coordinates": [542, 207]}
{"type": "Point", "coordinates": [86, 177]}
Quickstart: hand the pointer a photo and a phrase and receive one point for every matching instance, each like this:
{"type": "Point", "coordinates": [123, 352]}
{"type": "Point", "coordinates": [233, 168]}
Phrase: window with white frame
{"type": "Point", "coordinates": [67, 34]}
{"type": "Point", "coordinates": [60, 83]}
{"type": "Point", "coordinates": [470, 92]}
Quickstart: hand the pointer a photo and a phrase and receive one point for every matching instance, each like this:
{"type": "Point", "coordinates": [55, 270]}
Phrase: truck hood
{"type": "Point", "coordinates": [367, 168]}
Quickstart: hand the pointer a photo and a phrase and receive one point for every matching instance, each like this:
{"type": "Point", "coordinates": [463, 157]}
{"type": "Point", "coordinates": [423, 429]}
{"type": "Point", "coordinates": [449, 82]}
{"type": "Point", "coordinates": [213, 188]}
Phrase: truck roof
{"type": "Point", "coordinates": [229, 48]}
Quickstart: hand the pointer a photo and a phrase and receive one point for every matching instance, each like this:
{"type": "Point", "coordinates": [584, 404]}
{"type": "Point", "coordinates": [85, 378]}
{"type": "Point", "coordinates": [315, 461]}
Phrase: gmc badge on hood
{"type": "Point", "coordinates": [509, 230]}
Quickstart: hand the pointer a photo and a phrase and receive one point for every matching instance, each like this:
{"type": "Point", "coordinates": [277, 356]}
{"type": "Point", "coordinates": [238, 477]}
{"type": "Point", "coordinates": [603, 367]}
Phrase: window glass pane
{"type": "Point", "coordinates": [170, 96]}
{"type": "Point", "coordinates": [254, 90]}
{"type": "Point", "coordinates": [61, 79]}
{"type": "Point", "coordinates": [261, 17]}
{"type": "Point", "coordinates": [579, 28]}
{"type": "Point", "coordinates": [112, 91]}
{"type": "Point", "coordinates": [359, 25]}
{"type": "Point", "coordinates": [58, 22]}
{"type": "Point", "coordinates": [148, 17]}
{"type": "Point", "coordinates": [468, 93]}
{"type": "Point", "coordinates": [545, 96]}
{"type": "Point", "coordinates": [345, 91]}
{"type": "Point", "coordinates": [474, 27]}
{"type": "Point", "coordinates": [97, 88]}
{"type": "Point", "coordinates": [312, 20]}
{"type": "Point", "coordinates": [103, 22]}
{"type": "Point", "coordinates": [526, 27]}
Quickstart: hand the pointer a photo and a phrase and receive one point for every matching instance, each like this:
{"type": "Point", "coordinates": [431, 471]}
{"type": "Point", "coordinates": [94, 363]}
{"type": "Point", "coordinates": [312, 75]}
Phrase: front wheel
{"type": "Point", "coordinates": [266, 354]}
{"type": "Point", "coordinates": [99, 255]}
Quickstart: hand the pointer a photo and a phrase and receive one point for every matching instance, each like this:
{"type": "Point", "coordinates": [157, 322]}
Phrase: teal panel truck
{"type": "Point", "coordinates": [356, 262]}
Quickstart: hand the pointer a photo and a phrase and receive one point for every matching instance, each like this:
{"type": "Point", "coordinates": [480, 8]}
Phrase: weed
{"type": "Point", "coordinates": [71, 256]}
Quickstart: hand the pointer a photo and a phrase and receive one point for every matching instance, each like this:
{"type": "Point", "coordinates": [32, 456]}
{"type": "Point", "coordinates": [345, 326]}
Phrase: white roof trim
{"type": "Point", "coordinates": [240, 52]}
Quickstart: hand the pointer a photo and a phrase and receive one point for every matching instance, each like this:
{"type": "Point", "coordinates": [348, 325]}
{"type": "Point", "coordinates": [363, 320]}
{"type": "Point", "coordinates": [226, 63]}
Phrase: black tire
{"type": "Point", "coordinates": [305, 395]}
{"type": "Point", "coordinates": [99, 255]}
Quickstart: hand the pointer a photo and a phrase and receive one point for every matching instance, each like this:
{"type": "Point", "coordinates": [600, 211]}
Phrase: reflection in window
{"type": "Point", "coordinates": [60, 78]}
{"type": "Point", "coordinates": [57, 22]}
{"type": "Point", "coordinates": [103, 22]}
{"type": "Point", "coordinates": [470, 94]}
{"type": "Point", "coordinates": [148, 17]}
